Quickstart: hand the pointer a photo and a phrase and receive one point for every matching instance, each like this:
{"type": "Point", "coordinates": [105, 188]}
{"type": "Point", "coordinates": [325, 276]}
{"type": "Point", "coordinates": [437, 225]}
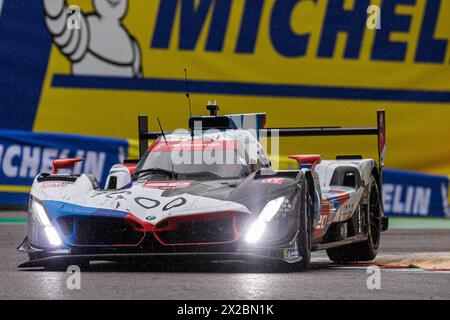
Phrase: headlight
{"type": "Point", "coordinates": [38, 210]}
{"type": "Point", "coordinates": [41, 215]}
{"type": "Point", "coordinates": [256, 230]}
{"type": "Point", "coordinates": [53, 236]}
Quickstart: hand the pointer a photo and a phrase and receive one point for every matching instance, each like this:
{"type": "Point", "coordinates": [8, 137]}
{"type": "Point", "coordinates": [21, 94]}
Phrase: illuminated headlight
{"type": "Point", "coordinates": [41, 215]}
{"type": "Point", "coordinates": [42, 218]}
{"type": "Point", "coordinates": [256, 230]}
{"type": "Point", "coordinates": [53, 236]}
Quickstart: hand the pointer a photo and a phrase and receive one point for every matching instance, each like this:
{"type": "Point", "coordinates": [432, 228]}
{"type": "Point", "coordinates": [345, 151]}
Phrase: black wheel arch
{"type": "Point", "coordinates": [312, 189]}
{"type": "Point", "coordinates": [376, 174]}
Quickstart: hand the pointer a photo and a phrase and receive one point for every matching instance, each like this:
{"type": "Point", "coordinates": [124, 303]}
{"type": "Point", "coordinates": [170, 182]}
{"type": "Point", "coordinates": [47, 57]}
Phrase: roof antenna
{"type": "Point", "coordinates": [164, 136]}
{"type": "Point", "coordinates": [162, 131]}
{"type": "Point", "coordinates": [188, 95]}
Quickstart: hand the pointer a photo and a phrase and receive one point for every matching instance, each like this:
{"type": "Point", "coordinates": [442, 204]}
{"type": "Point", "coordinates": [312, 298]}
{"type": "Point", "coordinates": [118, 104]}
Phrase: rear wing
{"type": "Point", "coordinates": [379, 131]}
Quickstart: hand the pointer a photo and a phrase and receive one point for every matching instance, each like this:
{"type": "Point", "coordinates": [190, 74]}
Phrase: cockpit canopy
{"type": "Point", "coordinates": [211, 154]}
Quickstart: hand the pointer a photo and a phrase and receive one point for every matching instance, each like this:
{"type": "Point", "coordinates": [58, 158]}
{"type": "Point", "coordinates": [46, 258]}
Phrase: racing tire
{"type": "Point", "coordinates": [366, 250]}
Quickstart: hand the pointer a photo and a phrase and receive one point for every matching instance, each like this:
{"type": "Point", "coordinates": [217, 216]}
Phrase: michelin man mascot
{"type": "Point", "coordinates": [101, 45]}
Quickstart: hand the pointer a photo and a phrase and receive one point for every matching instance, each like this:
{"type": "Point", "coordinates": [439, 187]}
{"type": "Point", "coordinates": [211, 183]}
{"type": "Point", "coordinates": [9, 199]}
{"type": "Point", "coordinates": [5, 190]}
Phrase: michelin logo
{"type": "Point", "coordinates": [406, 200]}
{"type": "Point", "coordinates": [18, 161]}
{"type": "Point", "coordinates": [100, 44]}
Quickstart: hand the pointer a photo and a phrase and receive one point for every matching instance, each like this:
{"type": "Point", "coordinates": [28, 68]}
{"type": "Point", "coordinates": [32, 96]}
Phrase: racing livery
{"type": "Point", "coordinates": [211, 194]}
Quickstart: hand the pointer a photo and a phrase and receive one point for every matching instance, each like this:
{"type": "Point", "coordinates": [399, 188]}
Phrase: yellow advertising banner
{"type": "Point", "coordinates": [303, 62]}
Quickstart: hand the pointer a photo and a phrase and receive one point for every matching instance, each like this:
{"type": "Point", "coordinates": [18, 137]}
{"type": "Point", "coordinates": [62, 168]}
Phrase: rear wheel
{"type": "Point", "coordinates": [367, 250]}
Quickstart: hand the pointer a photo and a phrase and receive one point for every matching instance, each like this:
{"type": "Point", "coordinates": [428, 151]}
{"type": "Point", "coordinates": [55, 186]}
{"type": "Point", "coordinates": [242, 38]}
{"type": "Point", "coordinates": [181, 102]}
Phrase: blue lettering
{"type": "Point", "coordinates": [285, 41]}
{"type": "Point", "coordinates": [339, 20]}
{"type": "Point", "coordinates": [429, 49]}
{"type": "Point", "coordinates": [193, 15]}
{"type": "Point", "coordinates": [383, 49]}
{"type": "Point", "coordinates": [250, 26]}
{"type": "Point", "coordinates": [164, 24]}
{"type": "Point", "coordinates": [219, 25]}
{"type": "Point", "coordinates": [192, 22]}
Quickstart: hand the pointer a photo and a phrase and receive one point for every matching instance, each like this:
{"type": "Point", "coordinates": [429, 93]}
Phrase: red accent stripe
{"type": "Point", "coordinates": [342, 196]}
{"type": "Point", "coordinates": [139, 225]}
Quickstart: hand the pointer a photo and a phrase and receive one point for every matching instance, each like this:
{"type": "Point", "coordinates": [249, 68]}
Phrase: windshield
{"type": "Point", "coordinates": [199, 159]}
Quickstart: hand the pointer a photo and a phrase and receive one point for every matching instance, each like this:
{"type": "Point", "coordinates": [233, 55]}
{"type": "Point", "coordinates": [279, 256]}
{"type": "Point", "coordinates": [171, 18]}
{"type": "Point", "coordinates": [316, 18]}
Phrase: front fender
{"type": "Point", "coordinates": [63, 187]}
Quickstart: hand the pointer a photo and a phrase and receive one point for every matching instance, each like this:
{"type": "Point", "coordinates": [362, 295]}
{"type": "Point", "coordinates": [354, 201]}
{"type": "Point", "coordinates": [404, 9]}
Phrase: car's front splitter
{"type": "Point", "coordinates": [151, 257]}
{"type": "Point", "coordinates": [75, 259]}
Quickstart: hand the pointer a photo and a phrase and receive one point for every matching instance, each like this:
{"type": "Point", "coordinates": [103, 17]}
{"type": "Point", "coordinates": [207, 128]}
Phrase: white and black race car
{"type": "Point", "coordinates": [209, 193]}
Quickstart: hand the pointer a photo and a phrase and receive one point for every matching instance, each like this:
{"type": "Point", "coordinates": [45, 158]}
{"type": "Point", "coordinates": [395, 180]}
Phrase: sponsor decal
{"type": "Point", "coordinates": [167, 185]}
{"type": "Point", "coordinates": [290, 253]}
{"type": "Point", "coordinates": [162, 146]}
{"type": "Point", "coordinates": [53, 184]}
{"type": "Point", "coordinates": [273, 181]}
{"type": "Point", "coordinates": [178, 202]}
{"type": "Point", "coordinates": [338, 196]}
{"type": "Point", "coordinates": [149, 203]}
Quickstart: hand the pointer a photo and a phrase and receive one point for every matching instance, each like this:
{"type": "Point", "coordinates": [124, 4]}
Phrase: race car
{"type": "Point", "coordinates": [209, 193]}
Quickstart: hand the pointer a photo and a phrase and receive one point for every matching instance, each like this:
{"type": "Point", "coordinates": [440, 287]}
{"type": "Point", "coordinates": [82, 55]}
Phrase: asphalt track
{"type": "Point", "coordinates": [415, 264]}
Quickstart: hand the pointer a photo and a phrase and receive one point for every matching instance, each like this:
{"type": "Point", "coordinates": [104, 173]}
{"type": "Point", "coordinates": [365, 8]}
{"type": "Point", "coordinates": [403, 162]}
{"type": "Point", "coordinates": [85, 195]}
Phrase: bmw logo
{"type": "Point", "coordinates": [150, 218]}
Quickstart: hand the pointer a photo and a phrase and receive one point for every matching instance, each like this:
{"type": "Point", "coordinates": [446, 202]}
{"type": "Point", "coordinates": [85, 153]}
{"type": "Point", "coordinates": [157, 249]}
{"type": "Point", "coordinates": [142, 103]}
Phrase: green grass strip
{"type": "Point", "coordinates": [12, 220]}
{"type": "Point", "coordinates": [419, 223]}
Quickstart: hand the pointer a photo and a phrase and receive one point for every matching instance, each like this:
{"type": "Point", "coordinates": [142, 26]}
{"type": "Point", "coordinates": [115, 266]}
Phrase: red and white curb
{"type": "Point", "coordinates": [413, 262]}
{"type": "Point", "coordinates": [389, 268]}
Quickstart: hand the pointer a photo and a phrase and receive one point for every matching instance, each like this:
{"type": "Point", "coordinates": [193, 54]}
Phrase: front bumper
{"type": "Point", "coordinates": [41, 258]}
{"type": "Point", "coordinates": [91, 236]}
